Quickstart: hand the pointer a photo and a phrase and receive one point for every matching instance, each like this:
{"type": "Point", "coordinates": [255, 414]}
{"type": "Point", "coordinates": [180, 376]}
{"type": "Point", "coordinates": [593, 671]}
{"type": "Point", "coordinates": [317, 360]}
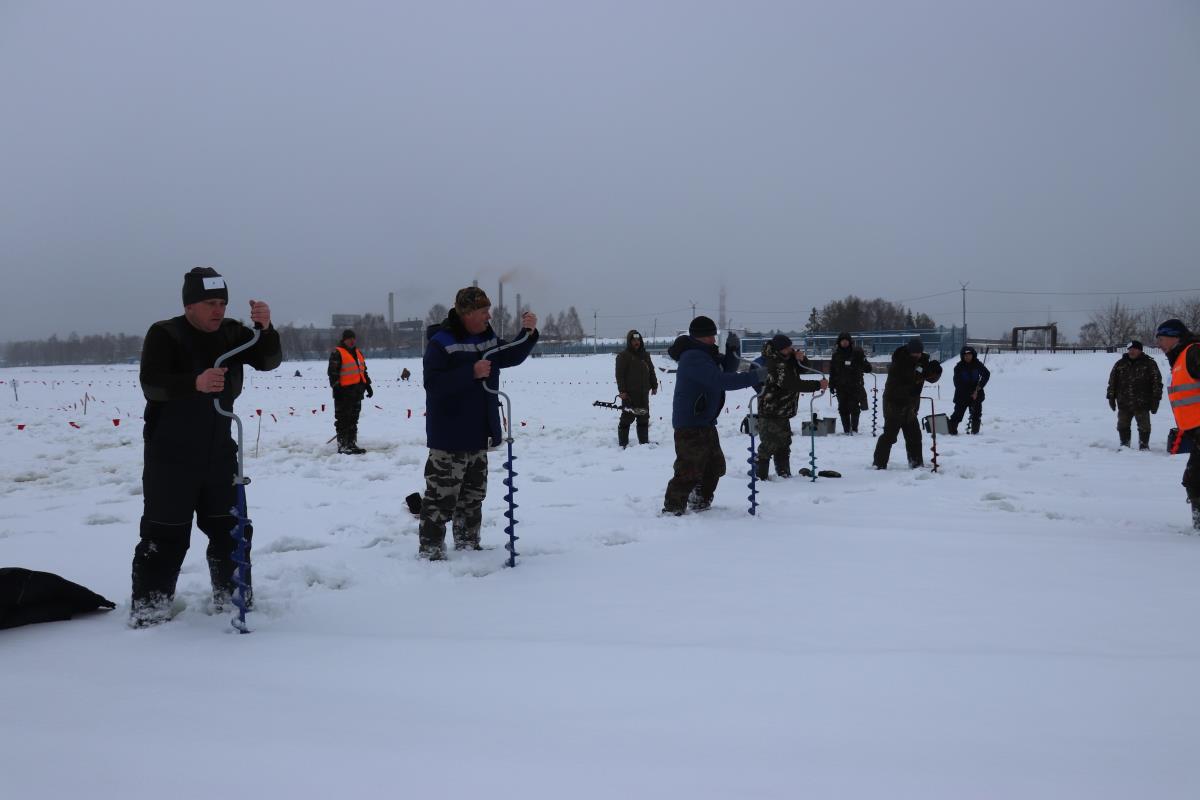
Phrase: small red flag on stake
{"type": "Point", "coordinates": [116, 421]}
{"type": "Point", "coordinates": [258, 411]}
{"type": "Point", "coordinates": [409, 414]}
{"type": "Point", "coordinates": [72, 424]}
{"type": "Point", "coordinates": [20, 426]}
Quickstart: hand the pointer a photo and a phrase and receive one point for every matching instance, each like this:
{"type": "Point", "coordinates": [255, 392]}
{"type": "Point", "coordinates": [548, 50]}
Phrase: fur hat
{"type": "Point", "coordinates": [472, 298]}
{"type": "Point", "coordinates": [204, 283]}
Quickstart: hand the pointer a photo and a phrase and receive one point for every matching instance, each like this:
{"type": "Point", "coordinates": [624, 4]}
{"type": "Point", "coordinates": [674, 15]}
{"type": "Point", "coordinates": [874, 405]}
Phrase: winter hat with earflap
{"type": "Point", "coordinates": [204, 283]}
{"type": "Point", "coordinates": [1134, 345]}
{"type": "Point", "coordinates": [472, 298]}
{"type": "Point", "coordinates": [779, 342]}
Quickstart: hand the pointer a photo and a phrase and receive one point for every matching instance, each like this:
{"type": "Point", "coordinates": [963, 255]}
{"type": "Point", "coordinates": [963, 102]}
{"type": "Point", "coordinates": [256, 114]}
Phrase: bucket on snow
{"type": "Point", "coordinates": [823, 426]}
{"type": "Point", "coordinates": [935, 423]}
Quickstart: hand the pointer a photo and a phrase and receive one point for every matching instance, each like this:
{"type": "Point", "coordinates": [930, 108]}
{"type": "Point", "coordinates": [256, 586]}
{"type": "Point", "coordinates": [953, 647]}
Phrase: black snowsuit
{"type": "Point", "coordinates": [190, 455]}
{"type": "Point", "coordinates": [847, 365]}
{"type": "Point", "coordinates": [636, 379]}
{"type": "Point", "coordinates": [969, 380]}
{"type": "Point", "coordinates": [347, 400]}
{"type": "Point", "coordinates": [901, 401]}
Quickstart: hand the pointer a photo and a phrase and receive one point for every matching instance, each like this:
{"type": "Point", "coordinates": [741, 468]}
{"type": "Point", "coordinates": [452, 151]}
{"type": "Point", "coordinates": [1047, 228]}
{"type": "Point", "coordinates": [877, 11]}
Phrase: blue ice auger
{"type": "Point", "coordinates": [812, 423]}
{"type": "Point", "coordinates": [874, 402]}
{"type": "Point", "coordinates": [752, 429]}
{"type": "Point", "coordinates": [241, 549]}
{"type": "Point", "coordinates": [932, 430]}
{"type": "Point", "coordinates": [511, 545]}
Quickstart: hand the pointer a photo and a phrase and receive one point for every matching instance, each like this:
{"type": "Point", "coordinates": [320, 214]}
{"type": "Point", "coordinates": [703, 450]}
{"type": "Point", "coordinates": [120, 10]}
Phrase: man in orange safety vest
{"type": "Point", "coordinates": [349, 380]}
{"type": "Point", "coordinates": [1183, 352]}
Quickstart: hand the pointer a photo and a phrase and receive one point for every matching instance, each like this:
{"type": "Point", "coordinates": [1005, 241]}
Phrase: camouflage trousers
{"type": "Point", "coordinates": [455, 485]}
{"type": "Point", "coordinates": [699, 465]}
{"type": "Point", "coordinates": [775, 438]}
{"type": "Point", "coordinates": [1125, 418]}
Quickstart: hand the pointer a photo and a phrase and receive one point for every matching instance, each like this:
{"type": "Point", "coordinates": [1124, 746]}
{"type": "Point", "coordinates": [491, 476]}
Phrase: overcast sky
{"type": "Point", "coordinates": [626, 157]}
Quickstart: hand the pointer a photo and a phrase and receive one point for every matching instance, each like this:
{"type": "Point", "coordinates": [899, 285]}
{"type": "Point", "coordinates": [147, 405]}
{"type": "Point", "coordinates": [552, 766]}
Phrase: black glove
{"type": "Point", "coordinates": [1112, 403]}
{"type": "Point", "coordinates": [933, 372]}
{"type": "Point", "coordinates": [337, 392]}
{"type": "Point", "coordinates": [1154, 408]}
{"type": "Point", "coordinates": [370, 391]}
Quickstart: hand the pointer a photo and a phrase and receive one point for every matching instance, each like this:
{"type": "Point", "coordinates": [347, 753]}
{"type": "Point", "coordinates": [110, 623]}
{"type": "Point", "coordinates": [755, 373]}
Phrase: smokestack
{"type": "Point", "coordinates": [517, 316]}
{"type": "Point", "coordinates": [500, 311]}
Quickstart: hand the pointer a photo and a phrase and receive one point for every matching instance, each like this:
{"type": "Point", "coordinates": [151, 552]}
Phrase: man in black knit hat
{"type": "Point", "coordinates": [190, 455]}
{"type": "Point", "coordinates": [1183, 353]}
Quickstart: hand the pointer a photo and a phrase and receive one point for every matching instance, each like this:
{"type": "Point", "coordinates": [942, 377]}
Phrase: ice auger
{"type": "Point", "coordinates": [510, 528]}
{"type": "Point", "coordinates": [241, 549]}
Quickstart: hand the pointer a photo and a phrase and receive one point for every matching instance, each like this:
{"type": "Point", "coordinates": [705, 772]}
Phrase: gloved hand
{"type": "Point", "coordinates": [370, 391]}
{"type": "Point", "coordinates": [933, 372]}
{"type": "Point", "coordinates": [1112, 403]}
{"type": "Point", "coordinates": [337, 392]}
{"type": "Point", "coordinates": [1154, 408]}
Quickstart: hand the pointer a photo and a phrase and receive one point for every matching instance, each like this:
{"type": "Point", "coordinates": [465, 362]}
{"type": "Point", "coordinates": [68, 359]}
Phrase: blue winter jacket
{"type": "Point", "coordinates": [969, 377]}
{"type": "Point", "coordinates": [459, 414]}
{"type": "Point", "coordinates": [701, 381]}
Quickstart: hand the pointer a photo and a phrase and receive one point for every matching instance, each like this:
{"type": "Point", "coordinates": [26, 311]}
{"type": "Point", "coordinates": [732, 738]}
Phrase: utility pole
{"type": "Point", "coordinates": [595, 332]}
{"type": "Point", "coordinates": [693, 302]}
{"type": "Point", "coordinates": [964, 299]}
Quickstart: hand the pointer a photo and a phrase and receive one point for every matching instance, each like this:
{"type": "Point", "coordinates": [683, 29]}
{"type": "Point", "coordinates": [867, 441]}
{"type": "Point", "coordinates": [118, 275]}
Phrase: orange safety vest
{"type": "Point", "coordinates": [353, 371]}
{"type": "Point", "coordinates": [1184, 393]}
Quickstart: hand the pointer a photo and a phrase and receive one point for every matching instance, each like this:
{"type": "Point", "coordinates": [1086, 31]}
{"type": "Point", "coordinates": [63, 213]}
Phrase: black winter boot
{"type": "Point", "coordinates": [220, 573]}
{"type": "Point", "coordinates": [1195, 501]}
{"type": "Point", "coordinates": [783, 465]}
{"type": "Point", "coordinates": [762, 468]}
{"type": "Point", "coordinates": [1143, 440]}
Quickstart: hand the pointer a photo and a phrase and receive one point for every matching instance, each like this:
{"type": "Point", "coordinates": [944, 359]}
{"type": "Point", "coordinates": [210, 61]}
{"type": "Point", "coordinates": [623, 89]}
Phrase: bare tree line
{"type": "Point", "coordinates": [1117, 324]}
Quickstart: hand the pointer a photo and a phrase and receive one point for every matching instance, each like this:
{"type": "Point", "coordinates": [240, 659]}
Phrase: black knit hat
{"type": "Point", "coordinates": [779, 342]}
{"type": "Point", "coordinates": [1134, 345]}
{"type": "Point", "coordinates": [348, 334]}
{"type": "Point", "coordinates": [204, 283]}
{"type": "Point", "coordinates": [702, 326]}
{"type": "Point", "coordinates": [1172, 327]}
{"type": "Point", "coordinates": [915, 345]}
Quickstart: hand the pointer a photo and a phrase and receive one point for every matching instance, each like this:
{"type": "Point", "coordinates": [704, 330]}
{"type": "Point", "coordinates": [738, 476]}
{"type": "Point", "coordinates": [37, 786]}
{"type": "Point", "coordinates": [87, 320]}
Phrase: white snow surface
{"type": "Point", "coordinates": [1020, 624]}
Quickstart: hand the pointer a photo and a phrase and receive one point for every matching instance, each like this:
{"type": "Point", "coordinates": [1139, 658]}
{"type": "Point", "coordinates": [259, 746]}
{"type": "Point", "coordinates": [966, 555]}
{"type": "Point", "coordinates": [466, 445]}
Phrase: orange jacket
{"type": "Point", "coordinates": [354, 370]}
{"type": "Point", "coordinates": [1184, 393]}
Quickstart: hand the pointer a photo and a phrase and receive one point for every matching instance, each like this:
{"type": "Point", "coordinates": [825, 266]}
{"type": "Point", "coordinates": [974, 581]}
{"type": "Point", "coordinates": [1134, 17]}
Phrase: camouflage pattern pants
{"type": "Point", "coordinates": [1125, 418]}
{"type": "Point", "coordinates": [455, 485]}
{"type": "Point", "coordinates": [775, 438]}
{"type": "Point", "coordinates": [699, 464]}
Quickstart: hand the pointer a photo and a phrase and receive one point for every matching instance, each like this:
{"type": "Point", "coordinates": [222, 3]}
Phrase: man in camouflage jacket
{"type": "Point", "coordinates": [777, 401]}
{"type": "Point", "coordinates": [1135, 389]}
{"type": "Point", "coordinates": [636, 381]}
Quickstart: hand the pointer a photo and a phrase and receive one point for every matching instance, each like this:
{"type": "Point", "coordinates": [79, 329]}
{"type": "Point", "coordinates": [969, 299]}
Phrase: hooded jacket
{"type": "Point", "coordinates": [847, 365]}
{"type": "Point", "coordinates": [701, 380]}
{"type": "Point", "coordinates": [970, 378]}
{"type": "Point", "coordinates": [1135, 383]}
{"type": "Point", "coordinates": [635, 373]}
{"type": "Point", "coordinates": [907, 377]}
{"type": "Point", "coordinates": [779, 391]}
{"type": "Point", "coordinates": [459, 414]}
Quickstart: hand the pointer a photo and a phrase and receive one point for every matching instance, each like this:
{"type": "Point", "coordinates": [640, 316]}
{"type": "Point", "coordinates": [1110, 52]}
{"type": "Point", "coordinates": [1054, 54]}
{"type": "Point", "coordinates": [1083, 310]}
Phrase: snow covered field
{"type": "Point", "coordinates": [1020, 625]}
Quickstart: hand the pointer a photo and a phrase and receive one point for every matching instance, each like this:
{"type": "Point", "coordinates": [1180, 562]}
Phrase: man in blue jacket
{"type": "Point", "coordinates": [462, 420]}
{"type": "Point", "coordinates": [970, 376]}
{"type": "Point", "coordinates": [701, 380]}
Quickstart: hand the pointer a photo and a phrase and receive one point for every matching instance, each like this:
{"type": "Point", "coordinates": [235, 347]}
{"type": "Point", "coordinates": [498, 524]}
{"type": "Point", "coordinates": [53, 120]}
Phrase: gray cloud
{"type": "Point", "coordinates": [626, 157]}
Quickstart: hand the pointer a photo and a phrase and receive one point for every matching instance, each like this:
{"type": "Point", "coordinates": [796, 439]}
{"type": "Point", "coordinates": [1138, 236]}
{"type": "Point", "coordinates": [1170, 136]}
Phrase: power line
{"type": "Point", "coordinates": [1021, 291]}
